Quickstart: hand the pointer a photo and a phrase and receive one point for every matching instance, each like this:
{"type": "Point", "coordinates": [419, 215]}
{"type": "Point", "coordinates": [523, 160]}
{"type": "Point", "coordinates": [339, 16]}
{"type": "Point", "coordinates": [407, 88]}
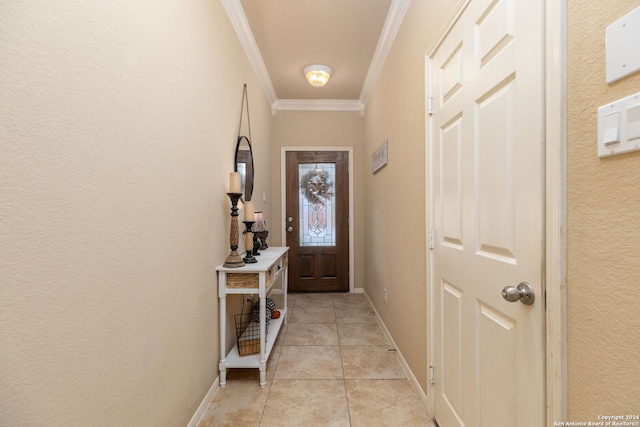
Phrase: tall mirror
{"type": "Point", "coordinates": [244, 165]}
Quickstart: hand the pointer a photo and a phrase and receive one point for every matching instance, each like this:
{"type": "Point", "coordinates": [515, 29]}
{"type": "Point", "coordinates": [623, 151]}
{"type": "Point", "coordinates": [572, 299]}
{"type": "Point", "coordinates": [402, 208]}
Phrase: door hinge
{"type": "Point", "coordinates": [432, 373]}
{"type": "Point", "coordinates": [431, 238]}
{"type": "Point", "coordinates": [430, 105]}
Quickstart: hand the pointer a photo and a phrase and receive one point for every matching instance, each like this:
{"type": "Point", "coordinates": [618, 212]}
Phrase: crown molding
{"type": "Point", "coordinates": [240, 24]}
{"type": "Point", "coordinates": [318, 105]}
{"type": "Point", "coordinates": [397, 11]}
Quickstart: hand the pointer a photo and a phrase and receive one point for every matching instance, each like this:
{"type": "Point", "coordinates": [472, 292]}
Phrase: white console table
{"type": "Point", "coordinates": [252, 279]}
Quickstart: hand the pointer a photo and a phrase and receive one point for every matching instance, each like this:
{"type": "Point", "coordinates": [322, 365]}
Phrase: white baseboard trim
{"type": "Point", "coordinates": [405, 366]}
{"type": "Point", "coordinates": [278, 291]}
{"type": "Point", "coordinates": [204, 405]}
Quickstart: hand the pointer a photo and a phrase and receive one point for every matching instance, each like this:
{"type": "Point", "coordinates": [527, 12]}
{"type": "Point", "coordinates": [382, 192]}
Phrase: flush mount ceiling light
{"type": "Point", "coordinates": [317, 75]}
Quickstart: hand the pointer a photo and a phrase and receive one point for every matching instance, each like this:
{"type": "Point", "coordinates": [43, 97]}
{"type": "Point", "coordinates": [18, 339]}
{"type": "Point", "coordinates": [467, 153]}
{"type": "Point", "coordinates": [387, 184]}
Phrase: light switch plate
{"type": "Point", "coordinates": [619, 126]}
{"type": "Point", "coordinates": [623, 46]}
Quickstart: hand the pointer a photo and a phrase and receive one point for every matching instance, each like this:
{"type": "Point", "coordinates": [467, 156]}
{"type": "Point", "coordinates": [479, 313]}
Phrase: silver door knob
{"type": "Point", "coordinates": [289, 229]}
{"type": "Point", "coordinates": [290, 219]}
{"type": "Point", "coordinates": [523, 293]}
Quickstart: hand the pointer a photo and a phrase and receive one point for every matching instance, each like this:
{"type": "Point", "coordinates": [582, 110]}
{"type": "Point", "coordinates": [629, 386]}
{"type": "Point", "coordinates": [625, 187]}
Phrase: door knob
{"type": "Point", "coordinates": [290, 219]}
{"type": "Point", "coordinates": [289, 229]}
{"type": "Point", "coordinates": [523, 293]}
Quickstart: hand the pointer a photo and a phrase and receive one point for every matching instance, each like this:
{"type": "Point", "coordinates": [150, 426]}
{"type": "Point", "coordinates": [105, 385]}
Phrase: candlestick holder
{"type": "Point", "coordinates": [234, 259]}
{"type": "Point", "coordinates": [248, 243]}
{"type": "Point", "coordinates": [256, 244]}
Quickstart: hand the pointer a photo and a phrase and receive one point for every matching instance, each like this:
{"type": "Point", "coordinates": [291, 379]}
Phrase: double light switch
{"type": "Point", "coordinates": [619, 126]}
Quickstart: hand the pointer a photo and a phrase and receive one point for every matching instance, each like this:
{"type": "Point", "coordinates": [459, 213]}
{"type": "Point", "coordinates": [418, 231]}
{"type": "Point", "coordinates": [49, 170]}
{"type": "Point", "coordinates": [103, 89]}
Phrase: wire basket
{"type": "Point", "coordinates": [248, 334]}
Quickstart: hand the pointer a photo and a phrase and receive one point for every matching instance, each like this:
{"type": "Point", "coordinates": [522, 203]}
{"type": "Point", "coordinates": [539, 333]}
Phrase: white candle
{"type": "Point", "coordinates": [234, 182]}
{"type": "Point", "coordinates": [249, 212]}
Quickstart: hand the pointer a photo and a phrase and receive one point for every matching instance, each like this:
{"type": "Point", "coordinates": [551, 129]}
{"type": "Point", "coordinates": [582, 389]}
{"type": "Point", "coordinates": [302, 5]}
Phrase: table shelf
{"type": "Point", "coordinates": [253, 279]}
{"type": "Point", "coordinates": [234, 360]}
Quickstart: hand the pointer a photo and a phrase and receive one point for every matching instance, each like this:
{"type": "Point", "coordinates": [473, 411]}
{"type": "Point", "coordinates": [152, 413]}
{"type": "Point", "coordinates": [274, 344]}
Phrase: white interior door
{"type": "Point", "coordinates": [486, 144]}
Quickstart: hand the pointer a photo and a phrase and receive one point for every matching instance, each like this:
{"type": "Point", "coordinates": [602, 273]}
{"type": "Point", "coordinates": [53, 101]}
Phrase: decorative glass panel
{"type": "Point", "coordinates": [317, 204]}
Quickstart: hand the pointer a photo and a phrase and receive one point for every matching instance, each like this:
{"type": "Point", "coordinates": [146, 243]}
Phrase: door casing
{"type": "Point", "coordinates": [283, 199]}
{"type": "Point", "coordinates": [555, 208]}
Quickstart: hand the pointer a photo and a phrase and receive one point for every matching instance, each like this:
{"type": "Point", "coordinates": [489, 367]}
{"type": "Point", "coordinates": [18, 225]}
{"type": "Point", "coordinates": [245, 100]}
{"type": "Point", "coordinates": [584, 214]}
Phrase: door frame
{"type": "Point", "coordinates": [555, 198]}
{"type": "Point", "coordinates": [283, 199]}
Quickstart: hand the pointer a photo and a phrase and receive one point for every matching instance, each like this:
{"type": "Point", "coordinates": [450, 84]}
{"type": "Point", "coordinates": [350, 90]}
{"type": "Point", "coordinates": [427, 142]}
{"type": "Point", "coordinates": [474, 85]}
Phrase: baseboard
{"type": "Point", "coordinates": [204, 405]}
{"type": "Point", "coordinates": [278, 291]}
{"type": "Point", "coordinates": [405, 366]}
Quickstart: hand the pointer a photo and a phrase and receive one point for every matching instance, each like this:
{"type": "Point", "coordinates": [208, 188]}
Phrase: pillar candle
{"type": "Point", "coordinates": [249, 213]}
{"type": "Point", "coordinates": [234, 182]}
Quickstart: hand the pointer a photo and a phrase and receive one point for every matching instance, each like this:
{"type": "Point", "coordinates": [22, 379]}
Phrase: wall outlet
{"type": "Point", "coordinates": [385, 296]}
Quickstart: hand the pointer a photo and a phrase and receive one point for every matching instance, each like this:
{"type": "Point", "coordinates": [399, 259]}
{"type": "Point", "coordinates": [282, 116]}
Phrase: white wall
{"type": "Point", "coordinates": [117, 127]}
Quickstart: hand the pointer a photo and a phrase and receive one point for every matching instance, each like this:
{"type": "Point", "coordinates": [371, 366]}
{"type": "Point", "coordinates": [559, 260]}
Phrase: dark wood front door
{"type": "Point", "coordinates": [317, 220]}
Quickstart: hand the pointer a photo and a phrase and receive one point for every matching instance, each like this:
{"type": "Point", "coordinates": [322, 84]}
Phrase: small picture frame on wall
{"type": "Point", "coordinates": [380, 157]}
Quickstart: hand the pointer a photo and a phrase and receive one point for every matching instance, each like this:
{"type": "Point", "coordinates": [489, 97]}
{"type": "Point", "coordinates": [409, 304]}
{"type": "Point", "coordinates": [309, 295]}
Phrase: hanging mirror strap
{"type": "Point", "coordinates": [245, 101]}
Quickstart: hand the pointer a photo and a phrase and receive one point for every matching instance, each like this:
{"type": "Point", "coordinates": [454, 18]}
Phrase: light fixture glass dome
{"type": "Point", "coordinates": [317, 75]}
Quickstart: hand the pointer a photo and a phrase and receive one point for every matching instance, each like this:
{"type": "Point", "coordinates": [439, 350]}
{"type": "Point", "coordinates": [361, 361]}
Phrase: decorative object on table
{"type": "Point", "coordinates": [234, 259]}
{"type": "Point", "coordinates": [248, 243]}
{"type": "Point", "coordinates": [260, 232]}
{"type": "Point", "coordinates": [249, 216]}
{"type": "Point", "coordinates": [248, 332]}
{"type": "Point", "coordinates": [270, 305]}
{"type": "Point", "coordinates": [256, 243]}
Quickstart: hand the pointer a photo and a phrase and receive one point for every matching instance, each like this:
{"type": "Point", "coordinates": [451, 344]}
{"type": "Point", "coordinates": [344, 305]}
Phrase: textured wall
{"type": "Point", "coordinates": [395, 205]}
{"type": "Point", "coordinates": [603, 230]}
{"type": "Point", "coordinates": [117, 128]}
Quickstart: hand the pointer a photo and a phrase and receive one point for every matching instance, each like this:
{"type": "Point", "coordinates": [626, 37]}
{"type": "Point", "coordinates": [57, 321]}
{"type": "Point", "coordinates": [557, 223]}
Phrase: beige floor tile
{"type": "Point", "coordinates": [309, 363]}
{"type": "Point", "coordinates": [370, 362]}
{"type": "Point", "coordinates": [312, 334]}
{"type": "Point", "coordinates": [291, 300]}
{"type": "Point", "coordinates": [306, 403]}
{"type": "Point", "coordinates": [385, 403]}
{"type": "Point", "coordinates": [355, 315]}
{"type": "Point", "coordinates": [330, 367]}
{"type": "Point", "coordinates": [361, 334]}
{"type": "Point", "coordinates": [314, 300]}
{"type": "Point", "coordinates": [240, 403]}
{"type": "Point", "coordinates": [302, 314]}
{"type": "Point", "coordinates": [348, 300]}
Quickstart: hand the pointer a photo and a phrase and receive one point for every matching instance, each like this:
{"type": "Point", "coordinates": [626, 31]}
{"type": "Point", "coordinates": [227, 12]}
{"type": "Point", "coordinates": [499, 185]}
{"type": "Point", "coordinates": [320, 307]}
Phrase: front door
{"type": "Point", "coordinates": [317, 220]}
{"type": "Point", "coordinates": [486, 144]}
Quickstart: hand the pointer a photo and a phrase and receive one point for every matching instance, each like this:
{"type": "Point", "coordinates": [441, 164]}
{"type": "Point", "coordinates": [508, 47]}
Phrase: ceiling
{"type": "Point", "coordinates": [282, 37]}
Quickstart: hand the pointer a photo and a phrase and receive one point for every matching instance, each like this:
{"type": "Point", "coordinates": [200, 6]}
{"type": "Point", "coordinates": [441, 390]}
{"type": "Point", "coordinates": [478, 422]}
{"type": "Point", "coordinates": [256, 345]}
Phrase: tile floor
{"type": "Point", "coordinates": [330, 367]}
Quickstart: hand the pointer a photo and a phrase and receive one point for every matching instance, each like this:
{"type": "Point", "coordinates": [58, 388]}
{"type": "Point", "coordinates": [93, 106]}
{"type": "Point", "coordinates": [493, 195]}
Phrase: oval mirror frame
{"type": "Point", "coordinates": [243, 163]}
